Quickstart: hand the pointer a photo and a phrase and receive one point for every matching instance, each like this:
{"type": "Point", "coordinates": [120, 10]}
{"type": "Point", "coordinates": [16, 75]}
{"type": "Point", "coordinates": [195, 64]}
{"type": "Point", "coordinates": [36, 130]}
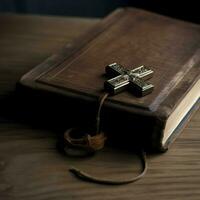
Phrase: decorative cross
{"type": "Point", "coordinates": [128, 79]}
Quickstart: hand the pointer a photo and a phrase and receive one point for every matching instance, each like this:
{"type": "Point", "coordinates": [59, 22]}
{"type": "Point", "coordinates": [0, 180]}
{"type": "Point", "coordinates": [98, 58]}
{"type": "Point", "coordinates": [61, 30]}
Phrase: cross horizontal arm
{"type": "Point", "coordinates": [142, 72]}
{"type": "Point", "coordinates": [117, 84]}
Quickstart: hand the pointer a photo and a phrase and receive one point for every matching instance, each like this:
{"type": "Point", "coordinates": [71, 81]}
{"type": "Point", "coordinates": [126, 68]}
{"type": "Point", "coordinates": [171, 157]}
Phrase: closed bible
{"type": "Point", "coordinates": [132, 38]}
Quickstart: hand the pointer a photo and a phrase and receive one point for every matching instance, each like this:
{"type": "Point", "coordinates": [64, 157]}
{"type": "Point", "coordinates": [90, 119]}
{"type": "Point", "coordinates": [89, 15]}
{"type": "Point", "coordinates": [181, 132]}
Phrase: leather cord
{"type": "Point", "coordinates": [98, 117]}
{"type": "Point", "coordinates": [89, 144]}
{"type": "Point", "coordinates": [87, 177]}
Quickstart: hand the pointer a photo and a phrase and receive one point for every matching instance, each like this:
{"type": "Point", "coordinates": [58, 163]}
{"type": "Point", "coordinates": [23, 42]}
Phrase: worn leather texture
{"type": "Point", "coordinates": [131, 37]}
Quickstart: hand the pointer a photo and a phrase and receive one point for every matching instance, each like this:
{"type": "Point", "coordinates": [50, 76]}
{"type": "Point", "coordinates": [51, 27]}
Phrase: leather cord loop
{"type": "Point", "coordinates": [87, 144]}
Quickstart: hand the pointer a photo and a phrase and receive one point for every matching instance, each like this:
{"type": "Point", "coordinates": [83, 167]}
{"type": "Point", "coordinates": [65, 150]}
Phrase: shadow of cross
{"type": "Point", "coordinates": [134, 79]}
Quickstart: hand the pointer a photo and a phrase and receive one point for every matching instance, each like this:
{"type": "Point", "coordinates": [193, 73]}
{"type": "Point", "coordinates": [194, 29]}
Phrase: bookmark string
{"type": "Point", "coordinates": [75, 145]}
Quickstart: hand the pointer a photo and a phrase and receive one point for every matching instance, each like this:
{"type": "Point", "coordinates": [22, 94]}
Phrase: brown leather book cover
{"type": "Point", "coordinates": [131, 37]}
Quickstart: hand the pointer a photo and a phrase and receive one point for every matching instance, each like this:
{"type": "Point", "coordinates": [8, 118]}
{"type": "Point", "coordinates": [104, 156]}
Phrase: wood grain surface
{"type": "Point", "coordinates": [31, 168]}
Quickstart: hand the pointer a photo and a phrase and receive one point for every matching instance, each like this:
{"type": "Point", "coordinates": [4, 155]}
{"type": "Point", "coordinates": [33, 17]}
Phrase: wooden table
{"type": "Point", "coordinates": [30, 165]}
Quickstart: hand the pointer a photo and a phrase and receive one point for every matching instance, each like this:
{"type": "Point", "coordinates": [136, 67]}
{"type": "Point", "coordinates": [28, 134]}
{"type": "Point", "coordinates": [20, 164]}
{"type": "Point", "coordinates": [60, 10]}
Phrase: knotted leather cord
{"type": "Point", "coordinates": [91, 144]}
{"type": "Point", "coordinates": [88, 143]}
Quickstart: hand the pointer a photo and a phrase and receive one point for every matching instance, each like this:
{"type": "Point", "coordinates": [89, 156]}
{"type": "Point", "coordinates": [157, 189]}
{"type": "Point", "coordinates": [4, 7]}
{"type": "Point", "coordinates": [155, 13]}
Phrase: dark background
{"type": "Point", "coordinates": [187, 10]}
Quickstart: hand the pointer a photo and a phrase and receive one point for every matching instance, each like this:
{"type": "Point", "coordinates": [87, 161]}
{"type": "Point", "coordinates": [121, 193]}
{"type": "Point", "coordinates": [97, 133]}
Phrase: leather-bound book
{"type": "Point", "coordinates": [130, 38]}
